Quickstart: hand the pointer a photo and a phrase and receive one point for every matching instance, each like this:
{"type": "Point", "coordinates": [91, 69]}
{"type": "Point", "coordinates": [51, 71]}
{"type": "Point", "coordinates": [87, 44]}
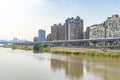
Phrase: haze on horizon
{"type": "Point", "coordinates": [23, 18]}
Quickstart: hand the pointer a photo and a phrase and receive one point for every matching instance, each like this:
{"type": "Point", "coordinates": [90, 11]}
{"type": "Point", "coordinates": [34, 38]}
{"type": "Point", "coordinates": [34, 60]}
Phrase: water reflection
{"type": "Point", "coordinates": [73, 70]}
{"type": "Point", "coordinates": [88, 68]}
{"type": "Point", "coordinates": [107, 68]}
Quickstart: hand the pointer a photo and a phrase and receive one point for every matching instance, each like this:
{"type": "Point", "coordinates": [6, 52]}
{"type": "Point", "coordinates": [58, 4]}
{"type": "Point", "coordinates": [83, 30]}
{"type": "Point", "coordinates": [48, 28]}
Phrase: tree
{"type": "Point", "coordinates": [37, 47]}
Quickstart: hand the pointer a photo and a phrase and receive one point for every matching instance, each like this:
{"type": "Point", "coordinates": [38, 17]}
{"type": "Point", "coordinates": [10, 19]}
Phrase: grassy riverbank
{"type": "Point", "coordinates": [82, 52]}
{"type": "Point", "coordinates": [19, 47]}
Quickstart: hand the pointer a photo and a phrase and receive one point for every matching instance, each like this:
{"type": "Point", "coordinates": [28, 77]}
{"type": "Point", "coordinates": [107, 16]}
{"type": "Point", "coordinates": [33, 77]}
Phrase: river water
{"type": "Point", "coordinates": [25, 65]}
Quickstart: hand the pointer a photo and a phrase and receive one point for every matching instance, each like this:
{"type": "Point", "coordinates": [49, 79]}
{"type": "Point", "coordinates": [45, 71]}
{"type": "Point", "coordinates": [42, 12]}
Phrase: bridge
{"type": "Point", "coordinates": [84, 43]}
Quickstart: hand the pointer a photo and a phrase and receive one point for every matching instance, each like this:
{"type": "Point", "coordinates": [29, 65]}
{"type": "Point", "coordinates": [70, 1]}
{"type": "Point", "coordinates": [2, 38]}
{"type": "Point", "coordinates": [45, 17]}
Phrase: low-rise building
{"type": "Point", "coordinates": [35, 39]}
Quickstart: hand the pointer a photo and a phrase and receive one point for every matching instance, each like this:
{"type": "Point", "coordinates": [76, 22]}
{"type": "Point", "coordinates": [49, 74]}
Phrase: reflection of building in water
{"type": "Point", "coordinates": [57, 64]}
{"type": "Point", "coordinates": [73, 70]}
{"type": "Point", "coordinates": [105, 71]}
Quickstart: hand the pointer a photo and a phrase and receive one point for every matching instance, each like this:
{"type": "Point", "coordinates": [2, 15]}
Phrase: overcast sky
{"type": "Point", "coordinates": [23, 18]}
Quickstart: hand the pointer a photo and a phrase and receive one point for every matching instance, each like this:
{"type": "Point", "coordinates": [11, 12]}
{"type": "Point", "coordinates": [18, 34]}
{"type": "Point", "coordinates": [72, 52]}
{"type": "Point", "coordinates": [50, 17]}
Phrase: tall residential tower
{"type": "Point", "coordinates": [41, 35]}
{"type": "Point", "coordinates": [57, 32]}
{"type": "Point", "coordinates": [74, 28]}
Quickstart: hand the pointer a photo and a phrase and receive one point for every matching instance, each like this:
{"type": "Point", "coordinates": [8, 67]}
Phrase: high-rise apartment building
{"type": "Point", "coordinates": [41, 35]}
{"type": "Point", "coordinates": [49, 37]}
{"type": "Point", "coordinates": [87, 35]}
{"type": "Point", "coordinates": [73, 28]}
{"type": "Point", "coordinates": [54, 32]}
{"type": "Point", "coordinates": [112, 25]}
{"type": "Point", "coordinates": [61, 32]}
{"type": "Point", "coordinates": [108, 29]}
{"type": "Point", "coordinates": [97, 31]}
{"type": "Point", "coordinates": [58, 32]}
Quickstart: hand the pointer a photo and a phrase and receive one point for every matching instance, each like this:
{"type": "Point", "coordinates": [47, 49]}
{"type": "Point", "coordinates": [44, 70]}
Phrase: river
{"type": "Point", "coordinates": [25, 65]}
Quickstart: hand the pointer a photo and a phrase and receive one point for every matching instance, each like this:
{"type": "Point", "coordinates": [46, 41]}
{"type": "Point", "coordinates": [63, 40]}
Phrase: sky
{"type": "Point", "coordinates": [23, 18]}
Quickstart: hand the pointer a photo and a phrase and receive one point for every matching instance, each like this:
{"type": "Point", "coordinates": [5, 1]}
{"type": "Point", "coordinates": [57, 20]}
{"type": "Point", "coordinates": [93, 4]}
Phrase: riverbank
{"type": "Point", "coordinates": [18, 47]}
{"type": "Point", "coordinates": [72, 51]}
{"type": "Point", "coordinates": [80, 51]}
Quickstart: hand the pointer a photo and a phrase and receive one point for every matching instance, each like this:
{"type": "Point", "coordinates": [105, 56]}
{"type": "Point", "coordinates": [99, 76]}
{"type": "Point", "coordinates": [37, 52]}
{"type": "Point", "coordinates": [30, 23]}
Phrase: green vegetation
{"type": "Point", "coordinates": [45, 48]}
{"type": "Point", "coordinates": [19, 47]}
{"type": "Point", "coordinates": [82, 52]}
{"type": "Point", "coordinates": [39, 47]}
